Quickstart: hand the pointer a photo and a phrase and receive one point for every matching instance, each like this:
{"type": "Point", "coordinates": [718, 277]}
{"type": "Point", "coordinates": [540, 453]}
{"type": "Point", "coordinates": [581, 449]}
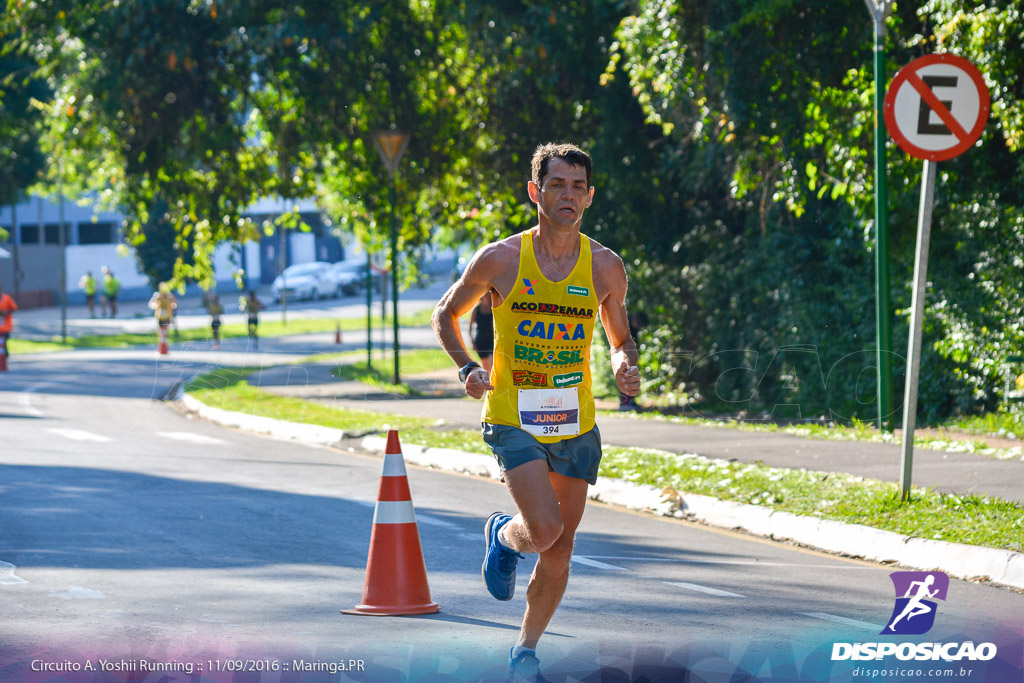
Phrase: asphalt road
{"type": "Point", "coordinates": [129, 530]}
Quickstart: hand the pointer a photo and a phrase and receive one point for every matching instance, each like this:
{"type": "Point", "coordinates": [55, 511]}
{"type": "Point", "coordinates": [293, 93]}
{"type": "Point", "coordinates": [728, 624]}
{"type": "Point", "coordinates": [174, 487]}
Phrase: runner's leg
{"type": "Point", "coordinates": [551, 506]}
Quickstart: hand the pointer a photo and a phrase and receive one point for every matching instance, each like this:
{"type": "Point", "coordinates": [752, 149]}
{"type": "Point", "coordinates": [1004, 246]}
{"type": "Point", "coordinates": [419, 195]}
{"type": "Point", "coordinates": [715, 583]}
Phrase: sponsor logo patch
{"type": "Point", "coordinates": [578, 291]}
{"type": "Point", "coordinates": [555, 358]}
{"type": "Point", "coordinates": [567, 380]}
{"type": "Point", "coordinates": [526, 378]}
{"type": "Point", "coordinates": [552, 309]}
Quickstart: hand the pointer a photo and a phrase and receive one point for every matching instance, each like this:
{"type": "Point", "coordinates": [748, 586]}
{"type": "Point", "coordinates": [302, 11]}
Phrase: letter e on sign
{"type": "Point", "coordinates": [937, 107]}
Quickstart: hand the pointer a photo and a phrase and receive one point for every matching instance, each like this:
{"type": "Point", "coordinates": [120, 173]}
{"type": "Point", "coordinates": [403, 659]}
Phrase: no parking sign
{"type": "Point", "coordinates": [937, 107]}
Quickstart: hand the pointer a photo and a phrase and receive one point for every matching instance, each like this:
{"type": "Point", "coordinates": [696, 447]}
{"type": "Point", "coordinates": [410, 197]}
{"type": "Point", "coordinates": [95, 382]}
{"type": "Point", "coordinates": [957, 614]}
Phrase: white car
{"type": "Point", "coordinates": [304, 281]}
{"type": "Point", "coordinates": [349, 276]}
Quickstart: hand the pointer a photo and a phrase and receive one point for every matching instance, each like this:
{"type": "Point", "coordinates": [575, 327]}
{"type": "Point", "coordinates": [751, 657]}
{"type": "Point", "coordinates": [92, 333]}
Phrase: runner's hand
{"type": "Point", "coordinates": [628, 379]}
{"type": "Point", "coordinates": [478, 383]}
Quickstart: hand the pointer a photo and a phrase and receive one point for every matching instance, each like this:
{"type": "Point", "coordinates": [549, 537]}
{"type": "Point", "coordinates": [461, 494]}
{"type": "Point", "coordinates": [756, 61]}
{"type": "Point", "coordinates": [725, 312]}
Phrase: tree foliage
{"type": "Point", "coordinates": [732, 144]}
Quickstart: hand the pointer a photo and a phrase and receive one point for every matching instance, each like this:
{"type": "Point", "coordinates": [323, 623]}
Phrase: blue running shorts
{"type": "Point", "coordinates": [578, 457]}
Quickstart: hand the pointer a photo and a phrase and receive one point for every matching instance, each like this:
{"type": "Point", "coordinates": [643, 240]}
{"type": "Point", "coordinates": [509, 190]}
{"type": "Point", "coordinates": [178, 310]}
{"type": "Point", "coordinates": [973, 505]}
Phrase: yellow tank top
{"type": "Point", "coordinates": [542, 336]}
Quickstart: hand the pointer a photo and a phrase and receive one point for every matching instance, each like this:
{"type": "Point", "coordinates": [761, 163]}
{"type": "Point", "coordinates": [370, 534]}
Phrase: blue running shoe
{"type": "Point", "coordinates": [499, 568]}
{"type": "Point", "coordinates": [525, 668]}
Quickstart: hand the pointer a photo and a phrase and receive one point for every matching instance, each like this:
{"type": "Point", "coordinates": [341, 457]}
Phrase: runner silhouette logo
{"type": "Point", "coordinates": [916, 592]}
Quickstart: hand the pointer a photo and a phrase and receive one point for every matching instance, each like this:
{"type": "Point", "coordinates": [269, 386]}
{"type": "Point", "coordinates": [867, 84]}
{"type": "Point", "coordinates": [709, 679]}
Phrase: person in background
{"type": "Point", "coordinates": [88, 285]}
{"type": "Point", "coordinates": [163, 304]}
{"type": "Point", "coordinates": [111, 289]}
{"type": "Point", "coordinates": [7, 309]}
{"type": "Point", "coordinates": [252, 306]}
{"type": "Point", "coordinates": [481, 331]}
{"type": "Point", "coordinates": [214, 308]}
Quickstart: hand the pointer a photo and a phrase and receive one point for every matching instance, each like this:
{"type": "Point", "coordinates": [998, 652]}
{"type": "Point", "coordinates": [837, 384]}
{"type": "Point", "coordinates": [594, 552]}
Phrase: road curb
{"type": "Point", "coordinates": [976, 563]}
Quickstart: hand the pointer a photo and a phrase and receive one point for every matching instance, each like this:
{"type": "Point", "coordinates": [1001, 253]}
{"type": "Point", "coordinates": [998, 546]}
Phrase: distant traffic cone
{"type": "Point", "coordinates": [396, 577]}
{"type": "Point", "coordinates": [163, 342]}
{"type": "Point", "coordinates": [337, 334]}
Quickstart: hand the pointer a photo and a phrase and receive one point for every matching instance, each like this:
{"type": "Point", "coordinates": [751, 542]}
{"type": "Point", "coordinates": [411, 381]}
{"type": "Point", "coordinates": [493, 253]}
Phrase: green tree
{"type": "Point", "coordinates": [19, 120]}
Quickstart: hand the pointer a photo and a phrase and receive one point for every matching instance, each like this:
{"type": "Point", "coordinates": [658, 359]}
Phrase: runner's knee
{"type": "Point", "coordinates": [544, 533]}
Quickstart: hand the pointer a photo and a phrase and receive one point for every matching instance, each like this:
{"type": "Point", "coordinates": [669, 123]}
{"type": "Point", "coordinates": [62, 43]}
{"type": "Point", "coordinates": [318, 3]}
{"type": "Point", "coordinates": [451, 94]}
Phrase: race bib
{"type": "Point", "coordinates": [549, 412]}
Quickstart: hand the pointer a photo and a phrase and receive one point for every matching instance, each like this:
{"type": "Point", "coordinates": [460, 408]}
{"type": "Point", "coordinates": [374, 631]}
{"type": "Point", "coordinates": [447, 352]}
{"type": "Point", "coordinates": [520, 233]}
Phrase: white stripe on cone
{"type": "Point", "coordinates": [394, 465]}
{"type": "Point", "coordinates": [394, 512]}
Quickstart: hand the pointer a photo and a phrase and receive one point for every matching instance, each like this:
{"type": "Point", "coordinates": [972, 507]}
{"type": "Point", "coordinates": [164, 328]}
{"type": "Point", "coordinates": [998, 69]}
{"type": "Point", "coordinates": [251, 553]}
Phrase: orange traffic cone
{"type": "Point", "coordinates": [337, 334]}
{"type": "Point", "coordinates": [163, 342]}
{"type": "Point", "coordinates": [396, 578]}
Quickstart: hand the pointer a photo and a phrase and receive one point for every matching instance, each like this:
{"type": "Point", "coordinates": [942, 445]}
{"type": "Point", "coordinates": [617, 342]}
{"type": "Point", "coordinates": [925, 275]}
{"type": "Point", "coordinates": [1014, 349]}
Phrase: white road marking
{"type": "Point", "coordinates": [587, 562]}
{"type": "Point", "coordinates": [79, 593]}
{"type": "Point", "coordinates": [25, 399]}
{"type": "Point", "coordinates": [7, 576]}
{"type": "Point", "coordinates": [704, 589]}
{"type": "Point", "coordinates": [79, 435]}
{"type": "Point", "coordinates": [191, 438]}
{"type": "Point", "coordinates": [750, 563]}
{"type": "Point", "coordinates": [843, 620]}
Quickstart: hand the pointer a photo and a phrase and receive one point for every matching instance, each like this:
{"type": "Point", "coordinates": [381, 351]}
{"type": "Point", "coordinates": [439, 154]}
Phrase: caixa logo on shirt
{"type": "Point", "coordinates": [544, 330]}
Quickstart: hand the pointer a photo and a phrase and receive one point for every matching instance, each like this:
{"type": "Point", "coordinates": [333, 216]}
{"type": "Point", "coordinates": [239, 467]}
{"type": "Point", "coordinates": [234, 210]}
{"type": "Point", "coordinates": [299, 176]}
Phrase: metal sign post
{"type": "Point", "coordinates": [933, 126]}
{"type": "Point", "coordinates": [924, 231]}
{"type": "Point", "coordinates": [391, 145]}
{"type": "Point", "coordinates": [880, 10]}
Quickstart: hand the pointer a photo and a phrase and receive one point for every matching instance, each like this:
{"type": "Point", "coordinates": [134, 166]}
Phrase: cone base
{"type": "Point", "coordinates": [393, 610]}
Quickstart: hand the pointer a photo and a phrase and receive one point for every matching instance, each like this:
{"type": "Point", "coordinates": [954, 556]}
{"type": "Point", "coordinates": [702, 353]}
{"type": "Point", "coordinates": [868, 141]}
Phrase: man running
{"type": "Point", "coordinates": [547, 286]}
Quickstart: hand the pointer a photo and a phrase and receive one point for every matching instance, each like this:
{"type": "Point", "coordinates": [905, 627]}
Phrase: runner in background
{"type": "Point", "coordinates": [252, 306]}
{"type": "Point", "coordinates": [111, 289]}
{"type": "Point", "coordinates": [213, 306]}
{"type": "Point", "coordinates": [481, 331]}
{"type": "Point", "coordinates": [163, 304]}
{"type": "Point", "coordinates": [7, 309]}
{"type": "Point", "coordinates": [88, 285]}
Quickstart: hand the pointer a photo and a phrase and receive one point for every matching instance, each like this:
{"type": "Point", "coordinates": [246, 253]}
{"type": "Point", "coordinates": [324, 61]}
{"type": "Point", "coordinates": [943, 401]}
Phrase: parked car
{"type": "Point", "coordinates": [304, 281]}
{"type": "Point", "coordinates": [349, 276]}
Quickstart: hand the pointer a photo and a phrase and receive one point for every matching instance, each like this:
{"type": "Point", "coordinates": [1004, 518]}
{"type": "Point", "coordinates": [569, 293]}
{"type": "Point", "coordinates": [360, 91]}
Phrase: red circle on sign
{"type": "Point", "coordinates": [965, 138]}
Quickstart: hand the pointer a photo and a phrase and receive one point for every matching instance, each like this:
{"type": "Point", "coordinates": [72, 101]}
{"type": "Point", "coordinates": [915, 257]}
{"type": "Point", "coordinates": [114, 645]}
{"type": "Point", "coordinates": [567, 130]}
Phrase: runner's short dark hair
{"type": "Point", "coordinates": [565, 151]}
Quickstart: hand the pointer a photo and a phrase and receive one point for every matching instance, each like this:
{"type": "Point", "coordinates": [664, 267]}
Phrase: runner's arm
{"type": "Point", "coordinates": [624, 356]}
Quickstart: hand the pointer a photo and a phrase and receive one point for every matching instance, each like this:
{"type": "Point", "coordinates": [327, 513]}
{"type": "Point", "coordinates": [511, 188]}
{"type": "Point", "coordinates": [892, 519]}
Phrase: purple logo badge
{"type": "Point", "coordinates": [914, 612]}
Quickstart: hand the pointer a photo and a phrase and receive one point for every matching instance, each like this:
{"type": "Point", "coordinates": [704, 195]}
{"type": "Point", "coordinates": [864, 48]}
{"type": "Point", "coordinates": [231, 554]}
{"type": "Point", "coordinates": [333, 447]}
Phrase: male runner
{"type": "Point", "coordinates": [547, 286]}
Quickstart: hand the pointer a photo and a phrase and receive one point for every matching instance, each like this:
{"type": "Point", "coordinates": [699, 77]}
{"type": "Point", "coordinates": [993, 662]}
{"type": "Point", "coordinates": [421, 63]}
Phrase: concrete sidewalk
{"type": "Point", "coordinates": [951, 472]}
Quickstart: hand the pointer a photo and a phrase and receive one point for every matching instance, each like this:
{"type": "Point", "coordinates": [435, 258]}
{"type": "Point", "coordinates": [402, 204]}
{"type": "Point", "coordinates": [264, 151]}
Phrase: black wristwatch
{"type": "Point", "coordinates": [466, 369]}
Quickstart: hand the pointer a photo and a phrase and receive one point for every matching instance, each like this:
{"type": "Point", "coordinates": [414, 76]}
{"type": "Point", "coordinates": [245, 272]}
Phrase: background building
{"type": "Point", "coordinates": [92, 240]}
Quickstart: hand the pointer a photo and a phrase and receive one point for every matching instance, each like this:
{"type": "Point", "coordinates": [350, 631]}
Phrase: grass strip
{"type": "Point", "coordinates": [380, 375]}
{"type": "Point", "coordinates": [974, 520]}
{"type": "Point", "coordinates": [228, 389]}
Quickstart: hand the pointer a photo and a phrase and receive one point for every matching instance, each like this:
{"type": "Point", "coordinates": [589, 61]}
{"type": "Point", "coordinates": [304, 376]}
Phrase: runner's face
{"type": "Point", "coordinates": [564, 195]}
